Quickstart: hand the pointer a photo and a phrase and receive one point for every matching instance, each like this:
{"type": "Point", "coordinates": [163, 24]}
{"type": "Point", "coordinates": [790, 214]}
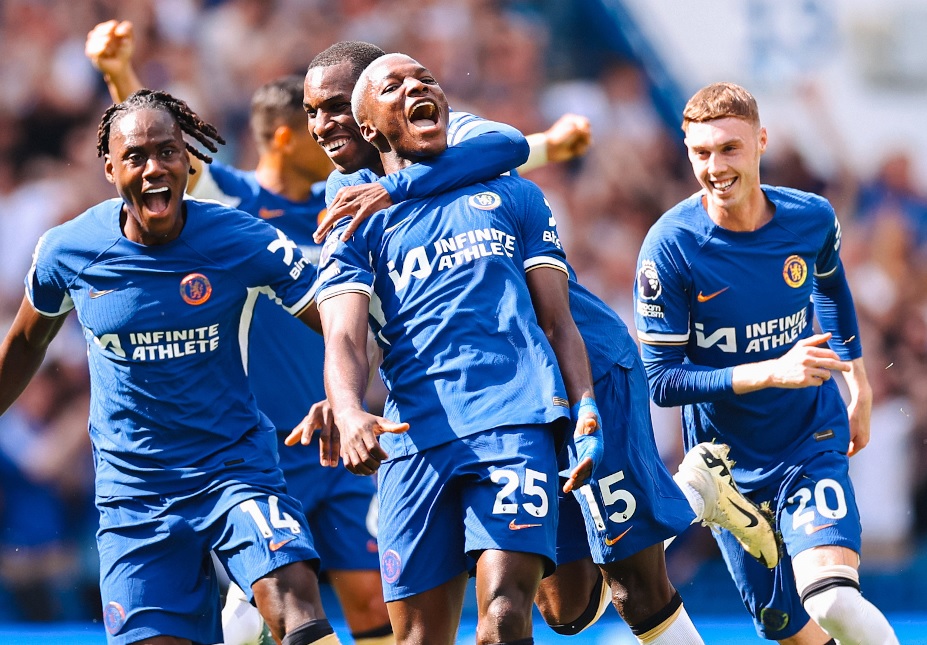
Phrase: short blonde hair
{"type": "Point", "coordinates": [720, 101]}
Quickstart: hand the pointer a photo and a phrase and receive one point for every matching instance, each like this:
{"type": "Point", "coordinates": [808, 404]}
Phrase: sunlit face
{"type": "Point", "coordinates": [725, 156]}
{"type": "Point", "coordinates": [148, 164]}
{"type": "Point", "coordinates": [327, 100]}
{"type": "Point", "coordinates": [404, 104]}
{"type": "Point", "coordinates": [305, 155]}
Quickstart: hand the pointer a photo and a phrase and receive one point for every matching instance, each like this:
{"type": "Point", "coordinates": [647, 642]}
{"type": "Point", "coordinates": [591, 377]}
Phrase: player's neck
{"type": "Point", "coordinates": [748, 215]}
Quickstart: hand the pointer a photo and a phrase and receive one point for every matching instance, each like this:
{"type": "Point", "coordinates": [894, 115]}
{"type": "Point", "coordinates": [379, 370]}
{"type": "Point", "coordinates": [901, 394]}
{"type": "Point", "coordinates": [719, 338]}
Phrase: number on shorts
{"type": "Point", "coordinates": [512, 482]}
{"type": "Point", "coordinates": [612, 496]}
{"type": "Point", "coordinates": [278, 520]}
{"type": "Point", "coordinates": [804, 515]}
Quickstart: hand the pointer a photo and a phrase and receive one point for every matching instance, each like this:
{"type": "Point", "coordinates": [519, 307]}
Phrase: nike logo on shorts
{"type": "Point", "coordinates": [612, 541]}
{"type": "Point", "coordinates": [276, 545]}
{"type": "Point", "coordinates": [96, 294]}
{"type": "Point", "coordinates": [517, 527]}
{"type": "Point", "coordinates": [814, 529]}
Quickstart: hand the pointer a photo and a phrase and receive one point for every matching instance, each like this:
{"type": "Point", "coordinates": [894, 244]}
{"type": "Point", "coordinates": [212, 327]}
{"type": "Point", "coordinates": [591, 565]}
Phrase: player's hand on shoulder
{"type": "Point", "coordinates": [360, 449]}
{"type": "Point", "coordinates": [357, 202]}
{"type": "Point", "coordinates": [569, 137]}
{"type": "Point", "coordinates": [110, 46]}
{"type": "Point", "coordinates": [807, 364]}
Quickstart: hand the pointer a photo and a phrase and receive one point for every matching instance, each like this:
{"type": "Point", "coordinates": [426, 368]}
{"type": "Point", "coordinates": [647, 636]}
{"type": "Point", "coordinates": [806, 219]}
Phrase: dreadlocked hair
{"type": "Point", "coordinates": [189, 122]}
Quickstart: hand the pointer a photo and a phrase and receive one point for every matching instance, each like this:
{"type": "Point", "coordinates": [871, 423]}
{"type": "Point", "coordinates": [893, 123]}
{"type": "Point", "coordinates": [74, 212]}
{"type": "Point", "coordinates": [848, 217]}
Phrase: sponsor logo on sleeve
{"type": "Point", "coordinates": [648, 281]}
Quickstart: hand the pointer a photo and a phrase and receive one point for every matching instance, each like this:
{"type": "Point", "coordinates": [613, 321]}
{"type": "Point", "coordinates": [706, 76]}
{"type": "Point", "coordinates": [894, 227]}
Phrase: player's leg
{"type": "Point", "coordinates": [646, 599]}
{"type": "Point", "coordinates": [263, 541]}
{"type": "Point", "coordinates": [820, 523]}
{"type": "Point", "coordinates": [342, 512]}
{"type": "Point", "coordinates": [506, 583]}
{"type": "Point", "coordinates": [156, 578]}
{"type": "Point", "coordinates": [509, 493]}
{"type": "Point", "coordinates": [631, 508]}
{"type": "Point", "coordinates": [430, 617]}
{"type": "Point", "coordinates": [423, 560]}
{"type": "Point", "coordinates": [575, 595]}
{"type": "Point", "coordinates": [361, 596]}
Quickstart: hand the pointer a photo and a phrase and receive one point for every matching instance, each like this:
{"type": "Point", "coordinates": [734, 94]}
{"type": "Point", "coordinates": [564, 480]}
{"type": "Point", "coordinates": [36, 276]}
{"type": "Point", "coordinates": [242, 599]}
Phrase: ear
{"type": "Point", "coordinates": [283, 135]}
{"type": "Point", "coordinates": [762, 140]}
{"type": "Point", "coordinates": [108, 169]}
{"type": "Point", "coordinates": [369, 132]}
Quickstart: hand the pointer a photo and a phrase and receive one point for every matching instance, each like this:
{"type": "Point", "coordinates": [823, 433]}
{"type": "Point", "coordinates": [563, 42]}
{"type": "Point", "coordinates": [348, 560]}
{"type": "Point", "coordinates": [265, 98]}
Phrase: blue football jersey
{"type": "Point", "coordinates": [462, 350]}
{"type": "Point", "coordinates": [608, 341]}
{"type": "Point", "coordinates": [727, 298]}
{"type": "Point", "coordinates": [166, 329]}
{"type": "Point", "coordinates": [285, 357]}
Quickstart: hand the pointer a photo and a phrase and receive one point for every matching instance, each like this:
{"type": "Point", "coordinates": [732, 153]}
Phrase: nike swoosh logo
{"type": "Point", "coordinates": [276, 545]}
{"type": "Point", "coordinates": [517, 527]}
{"type": "Point", "coordinates": [267, 213]}
{"type": "Point", "coordinates": [750, 516]}
{"type": "Point", "coordinates": [611, 541]}
{"type": "Point", "coordinates": [704, 298]}
{"type": "Point", "coordinates": [809, 530]}
{"type": "Point", "coordinates": [397, 225]}
{"type": "Point", "coordinates": [96, 294]}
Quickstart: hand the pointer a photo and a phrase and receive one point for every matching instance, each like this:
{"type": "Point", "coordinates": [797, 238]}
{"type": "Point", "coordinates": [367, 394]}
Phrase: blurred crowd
{"type": "Point", "coordinates": [505, 60]}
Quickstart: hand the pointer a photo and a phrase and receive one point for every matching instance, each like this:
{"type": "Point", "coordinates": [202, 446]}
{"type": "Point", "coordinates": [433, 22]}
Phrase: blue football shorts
{"type": "Point", "coordinates": [439, 507]}
{"type": "Point", "coordinates": [156, 574]}
{"type": "Point", "coordinates": [341, 508]}
{"type": "Point", "coordinates": [815, 506]}
{"type": "Point", "coordinates": [632, 502]}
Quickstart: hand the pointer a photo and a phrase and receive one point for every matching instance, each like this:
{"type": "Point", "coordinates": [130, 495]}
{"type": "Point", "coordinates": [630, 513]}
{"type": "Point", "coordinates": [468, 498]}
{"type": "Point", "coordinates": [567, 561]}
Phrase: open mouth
{"type": "Point", "coordinates": [157, 200]}
{"type": "Point", "coordinates": [424, 114]}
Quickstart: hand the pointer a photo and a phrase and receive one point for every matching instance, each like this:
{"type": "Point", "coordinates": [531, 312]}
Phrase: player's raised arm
{"type": "Point", "coordinates": [110, 46]}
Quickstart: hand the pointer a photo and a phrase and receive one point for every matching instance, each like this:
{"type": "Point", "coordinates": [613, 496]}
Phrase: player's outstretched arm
{"type": "Point", "coordinates": [344, 325]}
{"type": "Point", "coordinates": [569, 137]}
{"type": "Point", "coordinates": [551, 299]}
{"type": "Point", "coordinates": [23, 351]}
{"type": "Point", "coordinates": [807, 364]}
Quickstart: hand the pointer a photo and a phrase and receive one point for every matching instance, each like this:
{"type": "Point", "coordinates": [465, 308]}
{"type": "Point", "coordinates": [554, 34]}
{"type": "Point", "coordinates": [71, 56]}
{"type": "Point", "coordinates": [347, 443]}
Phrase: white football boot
{"type": "Point", "coordinates": [707, 469]}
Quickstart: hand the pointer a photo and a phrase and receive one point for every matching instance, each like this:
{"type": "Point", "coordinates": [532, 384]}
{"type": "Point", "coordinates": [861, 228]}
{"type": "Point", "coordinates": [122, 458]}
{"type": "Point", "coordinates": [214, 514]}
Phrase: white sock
{"type": "Point", "coordinates": [676, 630]}
{"type": "Point", "coordinates": [695, 499]}
{"type": "Point", "coordinates": [241, 621]}
{"type": "Point", "coordinates": [849, 618]}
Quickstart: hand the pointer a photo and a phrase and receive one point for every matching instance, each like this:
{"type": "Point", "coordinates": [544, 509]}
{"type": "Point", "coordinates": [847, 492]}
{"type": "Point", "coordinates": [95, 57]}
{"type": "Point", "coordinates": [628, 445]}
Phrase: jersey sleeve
{"type": "Point", "coordinates": [337, 180]}
{"type": "Point", "coordinates": [273, 263]}
{"type": "Point", "coordinates": [661, 311]}
{"type": "Point", "coordinates": [208, 188]}
{"type": "Point", "coordinates": [47, 283]}
{"type": "Point", "coordinates": [538, 234]}
{"type": "Point", "coordinates": [829, 256]}
{"type": "Point", "coordinates": [478, 150]}
{"type": "Point", "coordinates": [343, 266]}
